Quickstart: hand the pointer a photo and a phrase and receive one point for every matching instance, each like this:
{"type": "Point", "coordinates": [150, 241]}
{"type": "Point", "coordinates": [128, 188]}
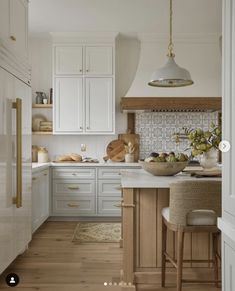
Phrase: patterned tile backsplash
{"type": "Point", "coordinates": [156, 129]}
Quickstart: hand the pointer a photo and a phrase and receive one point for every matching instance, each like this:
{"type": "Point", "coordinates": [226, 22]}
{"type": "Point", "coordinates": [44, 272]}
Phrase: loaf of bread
{"type": "Point", "coordinates": [76, 157]}
{"type": "Point", "coordinates": [65, 158]}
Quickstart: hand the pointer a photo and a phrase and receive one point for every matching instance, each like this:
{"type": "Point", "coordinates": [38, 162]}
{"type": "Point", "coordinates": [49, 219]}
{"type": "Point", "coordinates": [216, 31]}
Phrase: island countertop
{"type": "Point", "coordinates": [139, 178]}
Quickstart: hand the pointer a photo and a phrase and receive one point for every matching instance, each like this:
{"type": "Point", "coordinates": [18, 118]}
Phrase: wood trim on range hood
{"type": "Point", "coordinates": [171, 104]}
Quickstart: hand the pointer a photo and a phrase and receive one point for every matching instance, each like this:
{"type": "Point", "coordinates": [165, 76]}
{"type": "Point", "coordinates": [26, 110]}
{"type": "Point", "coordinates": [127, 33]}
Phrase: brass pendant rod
{"type": "Point", "coordinates": [170, 46]}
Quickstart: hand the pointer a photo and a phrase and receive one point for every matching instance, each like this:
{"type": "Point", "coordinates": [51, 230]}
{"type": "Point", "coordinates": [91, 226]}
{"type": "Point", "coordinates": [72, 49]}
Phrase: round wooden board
{"type": "Point", "coordinates": [116, 151]}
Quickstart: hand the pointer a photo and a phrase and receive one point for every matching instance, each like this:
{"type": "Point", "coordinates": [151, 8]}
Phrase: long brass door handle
{"type": "Point", "coordinates": [18, 106]}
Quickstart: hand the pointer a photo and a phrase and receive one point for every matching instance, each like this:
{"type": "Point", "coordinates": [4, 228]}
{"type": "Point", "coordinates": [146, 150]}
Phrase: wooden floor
{"type": "Point", "coordinates": [54, 263]}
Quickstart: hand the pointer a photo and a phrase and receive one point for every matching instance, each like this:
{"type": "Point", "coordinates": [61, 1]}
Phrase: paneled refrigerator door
{"type": "Point", "coordinates": [22, 169]}
{"type": "Point", "coordinates": [7, 236]}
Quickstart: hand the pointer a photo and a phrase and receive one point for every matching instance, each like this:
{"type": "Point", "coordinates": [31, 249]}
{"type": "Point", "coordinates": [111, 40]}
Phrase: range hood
{"type": "Point", "coordinates": [169, 104]}
{"type": "Point", "coordinates": [199, 53]}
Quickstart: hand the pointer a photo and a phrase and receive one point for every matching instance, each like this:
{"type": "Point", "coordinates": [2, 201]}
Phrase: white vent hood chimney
{"type": "Point", "coordinates": [199, 53]}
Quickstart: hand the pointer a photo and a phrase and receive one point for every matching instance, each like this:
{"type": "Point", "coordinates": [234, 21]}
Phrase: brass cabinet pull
{"type": "Point", "coordinates": [12, 37]}
{"type": "Point", "coordinates": [45, 174]}
{"type": "Point", "coordinates": [119, 205]}
{"type": "Point", "coordinates": [74, 174]}
{"type": "Point", "coordinates": [34, 178]}
{"type": "Point", "coordinates": [73, 205]}
{"type": "Point", "coordinates": [18, 106]}
{"type": "Point", "coordinates": [73, 187]}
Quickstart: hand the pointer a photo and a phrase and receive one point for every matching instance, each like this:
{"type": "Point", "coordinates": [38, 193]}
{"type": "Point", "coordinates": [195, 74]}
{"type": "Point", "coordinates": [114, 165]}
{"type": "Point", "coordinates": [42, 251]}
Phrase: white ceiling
{"type": "Point", "coordinates": [125, 16]}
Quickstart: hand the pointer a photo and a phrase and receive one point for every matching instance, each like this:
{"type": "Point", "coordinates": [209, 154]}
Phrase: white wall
{"type": "Point", "coordinates": [127, 55]}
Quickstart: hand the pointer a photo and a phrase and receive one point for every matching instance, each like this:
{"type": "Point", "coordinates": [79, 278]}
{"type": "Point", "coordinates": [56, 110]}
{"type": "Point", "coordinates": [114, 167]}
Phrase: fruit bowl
{"type": "Point", "coordinates": [164, 168]}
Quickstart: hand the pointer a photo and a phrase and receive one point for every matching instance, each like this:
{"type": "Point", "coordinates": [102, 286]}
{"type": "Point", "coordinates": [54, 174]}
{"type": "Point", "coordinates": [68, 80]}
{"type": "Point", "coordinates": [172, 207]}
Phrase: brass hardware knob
{"type": "Point", "coordinates": [81, 127]}
{"type": "Point", "coordinates": [74, 174]}
{"type": "Point", "coordinates": [87, 70]}
{"type": "Point", "coordinates": [45, 174]}
{"type": "Point", "coordinates": [87, 127]}
{"type": "Point", "coordinates": [80, 70]}
{"type": "Point", "coordinates": [73, 205]}
{"type": "Point", "coordinates": [12, 37]}
{"type": "Point", "coordinates": [34, 178]}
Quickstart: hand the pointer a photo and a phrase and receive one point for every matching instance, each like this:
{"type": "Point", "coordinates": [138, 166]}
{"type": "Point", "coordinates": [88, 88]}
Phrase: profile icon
{"type": "Point", "coordinates": [12, 280]}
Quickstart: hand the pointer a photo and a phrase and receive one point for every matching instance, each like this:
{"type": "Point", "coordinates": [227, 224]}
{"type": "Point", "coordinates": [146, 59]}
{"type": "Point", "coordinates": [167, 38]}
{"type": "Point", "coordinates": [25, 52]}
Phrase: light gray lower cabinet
{"type": "Point", "coordinates": [40, 198]}
{"type": "Point", "coordinates": [83, 191]}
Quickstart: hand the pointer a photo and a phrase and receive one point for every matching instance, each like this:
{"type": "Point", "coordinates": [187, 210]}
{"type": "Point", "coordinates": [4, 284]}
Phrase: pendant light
{"type": "Point", "coordinates": [171, 75]}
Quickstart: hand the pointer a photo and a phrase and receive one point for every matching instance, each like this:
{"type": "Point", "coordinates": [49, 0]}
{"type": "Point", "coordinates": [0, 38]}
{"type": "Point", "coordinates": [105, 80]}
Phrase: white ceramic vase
{"type": "Point", "coordinates": [129, 158]}
{"type": "Point", "coordinates": [209, 159]}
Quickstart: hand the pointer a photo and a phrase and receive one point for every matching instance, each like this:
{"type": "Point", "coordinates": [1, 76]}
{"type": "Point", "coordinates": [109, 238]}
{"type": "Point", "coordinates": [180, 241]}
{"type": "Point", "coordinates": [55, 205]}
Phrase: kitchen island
{"type": "Point", "coordinates": [144, 196]}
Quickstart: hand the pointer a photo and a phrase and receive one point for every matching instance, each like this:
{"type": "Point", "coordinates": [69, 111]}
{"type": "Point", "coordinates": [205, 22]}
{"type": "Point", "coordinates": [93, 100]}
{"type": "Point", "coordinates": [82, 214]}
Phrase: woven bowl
{"type": "Point", "coordinates": [164, 168]}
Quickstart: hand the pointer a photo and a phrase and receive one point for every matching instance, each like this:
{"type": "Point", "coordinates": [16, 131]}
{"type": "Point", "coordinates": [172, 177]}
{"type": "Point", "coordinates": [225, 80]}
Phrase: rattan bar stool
{"type": "Point", "coordinates": [194, 207]}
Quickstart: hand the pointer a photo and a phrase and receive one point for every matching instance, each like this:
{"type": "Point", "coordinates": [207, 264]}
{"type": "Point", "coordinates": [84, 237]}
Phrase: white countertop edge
{"type": "Point", "coordinates": [108, 164]}
{"type": "Point", "coordinates": [139, 178]}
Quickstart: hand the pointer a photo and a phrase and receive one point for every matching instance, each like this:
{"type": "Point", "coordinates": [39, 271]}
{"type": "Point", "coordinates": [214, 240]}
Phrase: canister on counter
{"type": "Point", "coordinates": [42, 155]}
{"type": "Point", "coordinates": [34, 153]}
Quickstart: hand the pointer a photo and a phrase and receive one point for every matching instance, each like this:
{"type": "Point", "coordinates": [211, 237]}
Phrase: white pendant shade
{"type": "Point", "coordinates": [171, 75]}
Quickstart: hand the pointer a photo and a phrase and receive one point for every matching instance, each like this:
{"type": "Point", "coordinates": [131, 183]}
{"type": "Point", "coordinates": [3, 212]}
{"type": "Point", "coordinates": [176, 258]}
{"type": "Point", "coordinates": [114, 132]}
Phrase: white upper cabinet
{"type": "Point", "coordinates": [68, 60]}
{"type": "Point", "coordinates": [19, 27]}
{"type": "Point", "coordinates": [99, 105]}
{"type": "Point", "coordinates": [99, 60]}
{"type": "Point", "coordinates": [4, 19]}
{"type": "Point", "coordinates": [84, 78]}
{"type": "Point", "coordinates": [68, 105]}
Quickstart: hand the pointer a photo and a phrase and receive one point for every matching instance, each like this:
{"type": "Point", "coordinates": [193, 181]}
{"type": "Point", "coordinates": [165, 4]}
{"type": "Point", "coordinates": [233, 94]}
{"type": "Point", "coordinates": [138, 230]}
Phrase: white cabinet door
{"type": "Point", "coordinates": [68, 60]}
{"type": "Point", "coordinates": [7, 237]}
{"type": "Point", "coordinates": [228, 110]}
{"type": "Point", "coordinates": [68, 105]}
{"type": "Point", "coordinates": [99, 105]}
{"type": "Point", "coordinates": [40, 196]}
{"type": "Point", "coordinates": [228, 265]}
{"type": "Point", "coordinates": [18, 33]}
{"type": "Point", "coordinates": [4, 19]}
{"type": "Point", "coordinates": [99, 60]}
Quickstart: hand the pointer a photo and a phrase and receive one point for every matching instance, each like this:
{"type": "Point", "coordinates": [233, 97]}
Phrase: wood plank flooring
{"type": "Point", "coordinates": [54, 263]}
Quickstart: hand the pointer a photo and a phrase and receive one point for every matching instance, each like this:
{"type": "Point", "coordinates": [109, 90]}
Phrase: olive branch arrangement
{"type": "Point", "coordinates": [200, 141]}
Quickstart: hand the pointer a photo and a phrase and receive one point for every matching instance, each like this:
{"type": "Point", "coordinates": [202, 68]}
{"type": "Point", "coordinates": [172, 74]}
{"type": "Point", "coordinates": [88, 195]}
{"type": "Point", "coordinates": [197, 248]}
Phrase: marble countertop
{"type": "Point", "coordinates": [139, 178]}
{"type": "Point", "coordinates": [64, 164]}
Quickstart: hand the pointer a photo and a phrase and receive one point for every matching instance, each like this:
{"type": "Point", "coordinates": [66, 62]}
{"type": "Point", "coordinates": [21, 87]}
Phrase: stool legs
{"type": "Point", "coordinates": [180, 251]}
{"type": "Point", "coordinates": [164, 238]}
{"type": "Point", "coordinates": [215, 261]}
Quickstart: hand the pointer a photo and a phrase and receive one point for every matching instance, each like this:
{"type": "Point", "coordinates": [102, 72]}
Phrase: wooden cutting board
{"type": "Point", "coordinates": [134, 139]}
{"type": "Point", "coordinates": [116, 151]}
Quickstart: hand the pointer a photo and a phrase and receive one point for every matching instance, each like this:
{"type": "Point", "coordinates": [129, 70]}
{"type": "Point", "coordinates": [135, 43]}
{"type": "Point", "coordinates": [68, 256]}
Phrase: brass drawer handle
{"type": "Point", "coordinates": [34, 178]}
{"type": "Point", "coordinates": [74, 174]}
{"type": "Point", "coordinates": [73, 205]}
{"type": "Point", "coordinates": [12, 37]}
{"type": "Point", "coordinates": [45, 174]}
{"type": "Point", "coordinates": [73, 187]}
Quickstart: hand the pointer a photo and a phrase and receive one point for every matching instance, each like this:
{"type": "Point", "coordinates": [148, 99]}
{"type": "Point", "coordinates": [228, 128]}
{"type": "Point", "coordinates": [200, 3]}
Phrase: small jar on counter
{"type": "Point", "coordinates": [34, 153]}
{"type": "Point", "coordinates": [42, 155]}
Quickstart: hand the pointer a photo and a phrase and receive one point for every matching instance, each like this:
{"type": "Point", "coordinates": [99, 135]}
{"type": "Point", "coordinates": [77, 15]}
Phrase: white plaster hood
{"type": "Point", "coordinates": [198, 53]}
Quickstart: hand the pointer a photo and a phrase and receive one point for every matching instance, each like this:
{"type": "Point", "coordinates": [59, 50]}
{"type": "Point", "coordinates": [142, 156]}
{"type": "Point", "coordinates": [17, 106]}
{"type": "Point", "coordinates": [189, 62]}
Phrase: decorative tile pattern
{"type": "Point", "coordinates": [156, 129]}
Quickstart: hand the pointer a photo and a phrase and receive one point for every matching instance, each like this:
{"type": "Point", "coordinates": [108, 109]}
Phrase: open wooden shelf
{"type": "Point", "coordinates": [42, 132]}
{"type": "Point", "coordinates": [42, 105]}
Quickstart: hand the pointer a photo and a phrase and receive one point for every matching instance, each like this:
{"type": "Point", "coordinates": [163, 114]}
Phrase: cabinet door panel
{"type": "Point", "coordinates": [68, 105]}
{"type": "Point", "coordinates": [68, 60]}
{"type": "Point", "coordinates": [228, 111]}
{"type": "Point", "coordinates": [19, 27]}
{"type": "Point", "coordinates": [109, 206]}
{"type": "Point", "coordinates": [229, 268]}
{"type": "Point", "coordinates": [99, 60]}
{"type": "Point", "coordinates": [4, 19]}
{"type": "Point", "coordinates": [99, 105]}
